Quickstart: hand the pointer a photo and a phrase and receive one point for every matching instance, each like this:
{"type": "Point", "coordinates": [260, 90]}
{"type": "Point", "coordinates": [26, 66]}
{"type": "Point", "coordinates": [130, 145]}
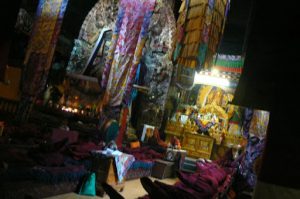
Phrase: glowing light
{"type": "Point", "coordinates": [215, 72]}
{"type": "Point", "coordinates": [211, 80]}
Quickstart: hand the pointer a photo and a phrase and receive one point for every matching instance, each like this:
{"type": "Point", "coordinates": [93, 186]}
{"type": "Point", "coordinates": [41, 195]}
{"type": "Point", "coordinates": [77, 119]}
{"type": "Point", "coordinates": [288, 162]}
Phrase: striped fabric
{"type": "Point", "coordinates": [229, 63]}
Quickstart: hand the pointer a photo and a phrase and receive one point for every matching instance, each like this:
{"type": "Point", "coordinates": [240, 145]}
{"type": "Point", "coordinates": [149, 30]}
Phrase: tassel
{"type": "Point", "coordinates": [123, 122]}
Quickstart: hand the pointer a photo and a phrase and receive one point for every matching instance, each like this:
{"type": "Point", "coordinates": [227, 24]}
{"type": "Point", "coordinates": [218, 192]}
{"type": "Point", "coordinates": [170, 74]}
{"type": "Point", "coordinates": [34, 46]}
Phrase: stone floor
{"type": "Point", "coordinates": [133, 189]}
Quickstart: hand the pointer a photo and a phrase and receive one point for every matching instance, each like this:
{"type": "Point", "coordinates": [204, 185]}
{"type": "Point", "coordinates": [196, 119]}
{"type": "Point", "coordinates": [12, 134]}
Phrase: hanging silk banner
{"type": "Point", "coordinates": [42, 44]}
{"type": "Point", "coordinates": [229, 63]}
{"type": "Point", "coordinates": [199, 30]}
{"type": "Point", "coordinates": [127, 43]}
{"type": "Point", "coordinates": [40, 52]}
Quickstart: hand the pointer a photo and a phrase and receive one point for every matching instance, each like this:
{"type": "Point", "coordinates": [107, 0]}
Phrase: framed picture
{"type": "Point", "coordinates": [148, 129]}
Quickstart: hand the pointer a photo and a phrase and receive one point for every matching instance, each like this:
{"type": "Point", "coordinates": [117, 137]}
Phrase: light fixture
{"type": "Point", "coordinates": [215, 71]}
{"type": "Point", "coordinates": [211, 80]}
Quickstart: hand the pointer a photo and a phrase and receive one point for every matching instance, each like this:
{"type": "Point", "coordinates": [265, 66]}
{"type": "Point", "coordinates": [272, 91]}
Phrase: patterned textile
{"type": "Point", "coordinates": [144, 164]}
{"type": "Point", "coordinates": [199, 29]}
{"type": "Point", "coordinates": [123, 163]}
{"type": "Point", "coordinates": [40, 51]}
{"type": "Point", "coordinates": [123, 126]}
{"type": "Point", "coordinates": [203, 126]}
{"type": "Point", "coordinates": [229, 63]}
{"type": "Point", "coordinates": [255, 127]}
{"type": "Point", "coordinates": [259, 123]}
{"type": "Point", "coordinates": [126, 49]}
{"type": "Point", "coordinates": [138, 173]}
{"type": "Point", "coordinates": [42, 44]}
{"type": "Point", "coordinates": [103, 14]}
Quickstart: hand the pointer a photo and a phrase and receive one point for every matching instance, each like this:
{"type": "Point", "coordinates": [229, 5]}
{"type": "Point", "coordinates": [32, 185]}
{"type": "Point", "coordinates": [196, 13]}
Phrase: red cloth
{"type": "Point", "coordinates": [82, 150]}
{"type": "Point", "coordinates": [123, 127]}
{"type": "Point", "coordinates": [60, 134]}
{"type": "Point", "coordinates": [143, 153]}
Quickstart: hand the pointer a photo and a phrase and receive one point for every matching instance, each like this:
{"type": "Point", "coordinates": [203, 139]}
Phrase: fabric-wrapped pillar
{"type": "Point", "coordinates": [40, 52]}
{"type": "Point", "coordinates": [200, 27]}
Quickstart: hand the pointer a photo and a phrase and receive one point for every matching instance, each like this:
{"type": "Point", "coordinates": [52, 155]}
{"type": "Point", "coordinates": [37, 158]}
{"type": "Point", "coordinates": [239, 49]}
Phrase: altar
{"type": "Point", "coordinates": [209, 128]}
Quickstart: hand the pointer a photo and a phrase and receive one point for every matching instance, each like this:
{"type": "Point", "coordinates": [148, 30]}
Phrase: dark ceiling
{"type": "Point", "coordinates": [235, 33]}
{"type": "Point", "coordinates": [75, 14]}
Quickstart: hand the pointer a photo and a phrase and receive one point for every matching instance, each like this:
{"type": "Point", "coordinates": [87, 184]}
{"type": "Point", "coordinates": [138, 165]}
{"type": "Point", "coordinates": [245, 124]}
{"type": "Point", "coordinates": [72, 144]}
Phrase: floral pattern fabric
{"type": "Point", "coordinates": [255, 128]}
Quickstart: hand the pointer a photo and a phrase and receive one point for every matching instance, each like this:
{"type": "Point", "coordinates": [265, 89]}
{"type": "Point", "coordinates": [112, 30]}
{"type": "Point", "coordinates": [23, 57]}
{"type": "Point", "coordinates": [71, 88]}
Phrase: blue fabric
{"type": "Point", "coordinates": [141, 164]}
{"type": "Point", "coordinates": [177, 51]}
{"type": "Point", "coordinates": [89, 186]}
{"type": "Point", "coordinates": [136, 80]}
{"type": "Point", "coordinates": [112, 132]}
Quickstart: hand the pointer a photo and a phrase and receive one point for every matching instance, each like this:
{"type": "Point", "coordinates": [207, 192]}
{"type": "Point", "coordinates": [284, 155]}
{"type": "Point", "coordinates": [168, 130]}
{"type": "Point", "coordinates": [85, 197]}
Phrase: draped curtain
{"type": "Point", "coordinates": [127, 43]}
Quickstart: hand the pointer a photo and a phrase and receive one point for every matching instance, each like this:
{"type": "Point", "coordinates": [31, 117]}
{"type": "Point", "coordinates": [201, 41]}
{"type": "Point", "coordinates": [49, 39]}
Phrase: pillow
{"type": "Point", "coordinates": [89, 185]}
{"type": "Point", "coordinates": [135, 144]}
{"type": "Point", "coordinates": [60, 134]}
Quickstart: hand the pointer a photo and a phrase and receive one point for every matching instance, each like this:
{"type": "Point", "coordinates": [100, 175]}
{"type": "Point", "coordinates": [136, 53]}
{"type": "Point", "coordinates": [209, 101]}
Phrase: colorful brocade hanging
{"type": "Point", "coordinates": [40, 52]}
{"type": "Point", "coordinates": [127, 43]}
{"type": "Point", "coordinates": [254, 129]}
{"type": "Point", "coordinates": [229, 63]}
{"type": "Point", "coordinates": [42, 44]}
{"type": "Point", "coordinates": [199, 29]}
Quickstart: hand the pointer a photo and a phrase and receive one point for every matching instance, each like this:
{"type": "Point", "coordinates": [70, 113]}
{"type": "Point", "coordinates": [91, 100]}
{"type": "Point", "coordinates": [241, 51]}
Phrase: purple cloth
{"type": "Point", "coordinates": [60, 134]}
{"type": "Point", "coordinates": [144, 153]}
{"type": "Point", "coordinates": [82, 150]}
